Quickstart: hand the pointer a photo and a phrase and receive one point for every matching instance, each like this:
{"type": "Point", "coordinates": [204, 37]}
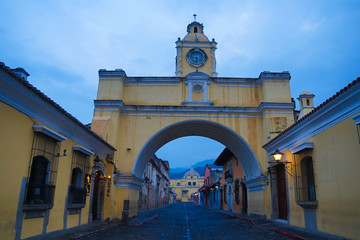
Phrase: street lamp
{"type": "Point", "coordinates": [277, 156]}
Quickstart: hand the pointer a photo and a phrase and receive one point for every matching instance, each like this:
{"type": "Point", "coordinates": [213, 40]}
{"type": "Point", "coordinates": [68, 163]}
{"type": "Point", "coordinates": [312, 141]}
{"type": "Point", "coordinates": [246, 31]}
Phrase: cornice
{"type": "Point", "coordinates": [246, 81]}
{"type": "Point", "coordinates": [152, 80]}
{"type": "Point", "coordinates": [278, 106]}
{"type": "Point", "coordinates": [22, 96]}
{"type": "Point", "coordinates": [128, 181]}
{"type": "Point", "coordinates": [83, 150]}
{"type": "Point", "coordinates": [302, 146]}
{"type": "Point", "coordinates": [49, 133]}
{"type": "Point", "coordinates": [118, 105]}
{"type": "Point", "coordinates": [257, 184]}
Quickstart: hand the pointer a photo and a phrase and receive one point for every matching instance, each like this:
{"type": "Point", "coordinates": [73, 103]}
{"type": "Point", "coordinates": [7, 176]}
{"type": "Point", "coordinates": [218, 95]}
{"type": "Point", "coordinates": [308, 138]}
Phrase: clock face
{"type": "Point", "coordinates": [196, 57]}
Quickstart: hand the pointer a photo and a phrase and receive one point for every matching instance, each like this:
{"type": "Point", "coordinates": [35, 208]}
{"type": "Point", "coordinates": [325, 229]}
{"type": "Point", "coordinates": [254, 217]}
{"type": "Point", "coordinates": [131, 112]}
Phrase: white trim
{"type": "Point", "coordinates": [18, 96]}
{"type": "Point", "coordinates": [82, 149]}
{"type": "Point", "coordinates": [49, 133]}
{"type": "Point", "coordinates": [356, 118]}
{"type": "Point", "coordinates": [302, 146]}
{"type": "Point", "coordinates": [128, 181]}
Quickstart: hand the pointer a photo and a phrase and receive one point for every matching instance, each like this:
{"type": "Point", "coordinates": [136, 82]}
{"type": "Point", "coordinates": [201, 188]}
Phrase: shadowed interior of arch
{"type": "Point", "coordinates": [212, 130]}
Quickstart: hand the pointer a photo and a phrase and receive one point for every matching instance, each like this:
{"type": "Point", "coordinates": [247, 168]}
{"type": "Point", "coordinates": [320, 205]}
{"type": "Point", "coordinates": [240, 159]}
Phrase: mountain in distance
{"type": "Point", "coordinates": [177, 173]}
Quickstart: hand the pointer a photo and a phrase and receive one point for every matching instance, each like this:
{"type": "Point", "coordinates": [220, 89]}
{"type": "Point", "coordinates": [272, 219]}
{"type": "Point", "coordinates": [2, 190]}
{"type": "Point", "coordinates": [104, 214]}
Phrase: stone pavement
{"type": "Point", "coordinates": [186, 221]}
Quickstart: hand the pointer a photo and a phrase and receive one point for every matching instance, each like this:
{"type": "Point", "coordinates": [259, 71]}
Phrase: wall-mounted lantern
{"type": "Point", "coordinates": [277, 155]}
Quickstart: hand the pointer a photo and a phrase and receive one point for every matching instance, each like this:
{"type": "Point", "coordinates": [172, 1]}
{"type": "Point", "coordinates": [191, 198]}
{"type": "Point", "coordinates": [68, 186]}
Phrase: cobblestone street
{"type": "Point", "coordinates": [187, 221]}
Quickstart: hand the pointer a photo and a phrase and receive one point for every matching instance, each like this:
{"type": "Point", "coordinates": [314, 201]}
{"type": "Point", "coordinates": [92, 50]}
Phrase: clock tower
{"type": "Point", "coordinates": [195, 53]}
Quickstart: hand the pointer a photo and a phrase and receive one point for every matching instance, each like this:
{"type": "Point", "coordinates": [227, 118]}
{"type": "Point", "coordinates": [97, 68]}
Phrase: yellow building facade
{"type": "Point", "coordinates": [188, 185]}
{"type": "Point", "coordinates": [138, 115]}
{"type": "Point", "coordinates": [48, 178]}
{"type": "Point", "coordinates": [314, 185]}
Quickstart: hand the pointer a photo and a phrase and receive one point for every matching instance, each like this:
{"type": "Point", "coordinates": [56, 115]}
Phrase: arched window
{"type": "Point", "coordinates": [178, 184]}
{"type": "Point", "coordinates": [77, 178]}
{"type": "Point", "coordinates": [79, 183]}
{"type": "Point", "coordinates": [195, 30]}
{"type": "Point", "coordinates": [194, 183]}
{"type": "Point", "coordinates": [307, 179]}
{"type": "Point", "coordinates": [38, 181]}
{"type": "Point", "coordinates": [189, 183]}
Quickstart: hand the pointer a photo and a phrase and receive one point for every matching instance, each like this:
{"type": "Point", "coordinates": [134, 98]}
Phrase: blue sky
{"type": "Point", "coordinates": [63, 44]}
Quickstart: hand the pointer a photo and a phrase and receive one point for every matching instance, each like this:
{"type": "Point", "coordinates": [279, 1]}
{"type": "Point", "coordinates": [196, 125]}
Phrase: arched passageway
{"type": "Point", "coordinates": [202, 128]}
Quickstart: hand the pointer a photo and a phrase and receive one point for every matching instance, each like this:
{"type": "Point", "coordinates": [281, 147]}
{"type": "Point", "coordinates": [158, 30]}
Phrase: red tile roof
{"type": "Point", "coordinates": [51, 102]}
{"type": "Point", "coordinates": [322, 105]}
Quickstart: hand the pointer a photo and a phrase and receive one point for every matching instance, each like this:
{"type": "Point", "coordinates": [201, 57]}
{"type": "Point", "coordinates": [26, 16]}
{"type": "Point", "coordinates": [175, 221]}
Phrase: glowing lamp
{"type": "Point", "coordinates": [277, 155]}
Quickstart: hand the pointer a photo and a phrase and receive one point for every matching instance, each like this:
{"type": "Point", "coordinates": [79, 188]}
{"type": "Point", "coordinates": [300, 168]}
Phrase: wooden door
{"type": "Point", "coordinates": [282, 195]}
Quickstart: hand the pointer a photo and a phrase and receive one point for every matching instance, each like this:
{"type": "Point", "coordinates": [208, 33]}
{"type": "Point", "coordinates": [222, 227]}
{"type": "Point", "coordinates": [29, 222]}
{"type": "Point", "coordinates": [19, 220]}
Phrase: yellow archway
{"type": "Point", "coordinates": [203, 128]}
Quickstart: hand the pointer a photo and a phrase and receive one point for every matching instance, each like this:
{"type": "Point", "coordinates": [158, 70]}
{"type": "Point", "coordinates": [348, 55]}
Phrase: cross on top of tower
{"type": "Point", "coordinates": [194, 17]}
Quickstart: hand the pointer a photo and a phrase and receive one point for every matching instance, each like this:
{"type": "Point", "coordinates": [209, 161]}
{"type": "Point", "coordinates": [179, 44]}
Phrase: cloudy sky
{"type": "Point", "coordinates": [63, 44]}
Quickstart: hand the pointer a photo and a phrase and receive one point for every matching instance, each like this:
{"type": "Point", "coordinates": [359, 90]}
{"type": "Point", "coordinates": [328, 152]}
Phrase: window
{"type": "Point", "coordinates": [228, 172]}
{"type": "Point", "coordinates": [194, 183]}
{"type": "Point", "coordinates": [237, 192]}
{"type": "Point", "coordinates": [178, 184]}
{"type": "Point", "coordinates": [195, 29]}
{"type": "Point", "coordinates": [304, 178]}
{"type": "Point", "coordinates": [184, 193]}
{"type": "Point", "coordinates": [42, 173]}
{"type": "Point", "coordinates": [80, 168]}
{"type": "Point", "coordinates": [225, 199]}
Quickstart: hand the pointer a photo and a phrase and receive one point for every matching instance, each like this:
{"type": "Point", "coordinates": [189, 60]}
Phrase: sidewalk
{"type": "Point", "coordinates": [277, 226]}
{"type": "Point", "coordinates": [82, 231]}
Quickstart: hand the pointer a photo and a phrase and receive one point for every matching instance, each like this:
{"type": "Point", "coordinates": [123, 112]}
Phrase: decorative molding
{"type": "Point", "coordinates": [83, 150]}
{"type": "Point", "coordinates": [197, 103]}
{"type": "Point", "coordinates": [257, 184]}
{"type": "Point", "coordinates": [302, 146]}
{"type": "Point", "coordinates": [271, 106]}
{"type": "Point", "coordinates": [26, 100]}
{"type": "Point", "coordinates": [244, 81]}
{"type": "Point", "coordinates": [356, 119]}
{"type": "Point", "coordinates": [266, 75]}
{"type": "Point", "coordinates": [49, 133]}
{"type": "Point", "coordinates": [151, 80]}
{"type": "Point", "coordinates": [128, 181]}
{"type": "Point", "coordinates": [197, 108]}
{"type": "Point", "coordinates": [112, 73]}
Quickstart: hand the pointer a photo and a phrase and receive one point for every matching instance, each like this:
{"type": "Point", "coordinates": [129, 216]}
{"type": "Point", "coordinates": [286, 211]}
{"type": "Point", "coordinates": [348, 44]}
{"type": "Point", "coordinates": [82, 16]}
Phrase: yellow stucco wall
{"type": "Point", "coordinates": [13, 124]}
{"type": "Point", "coordinates": [336, 165]}
{"type": "Point", "coordinates": [132, 131]}
{"type": "Point", "coordinates": [16, 144]}
{"type": "Point", "coordinates": [336, 162]}
{"type": "Point", "coordinates": [178, 189]}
